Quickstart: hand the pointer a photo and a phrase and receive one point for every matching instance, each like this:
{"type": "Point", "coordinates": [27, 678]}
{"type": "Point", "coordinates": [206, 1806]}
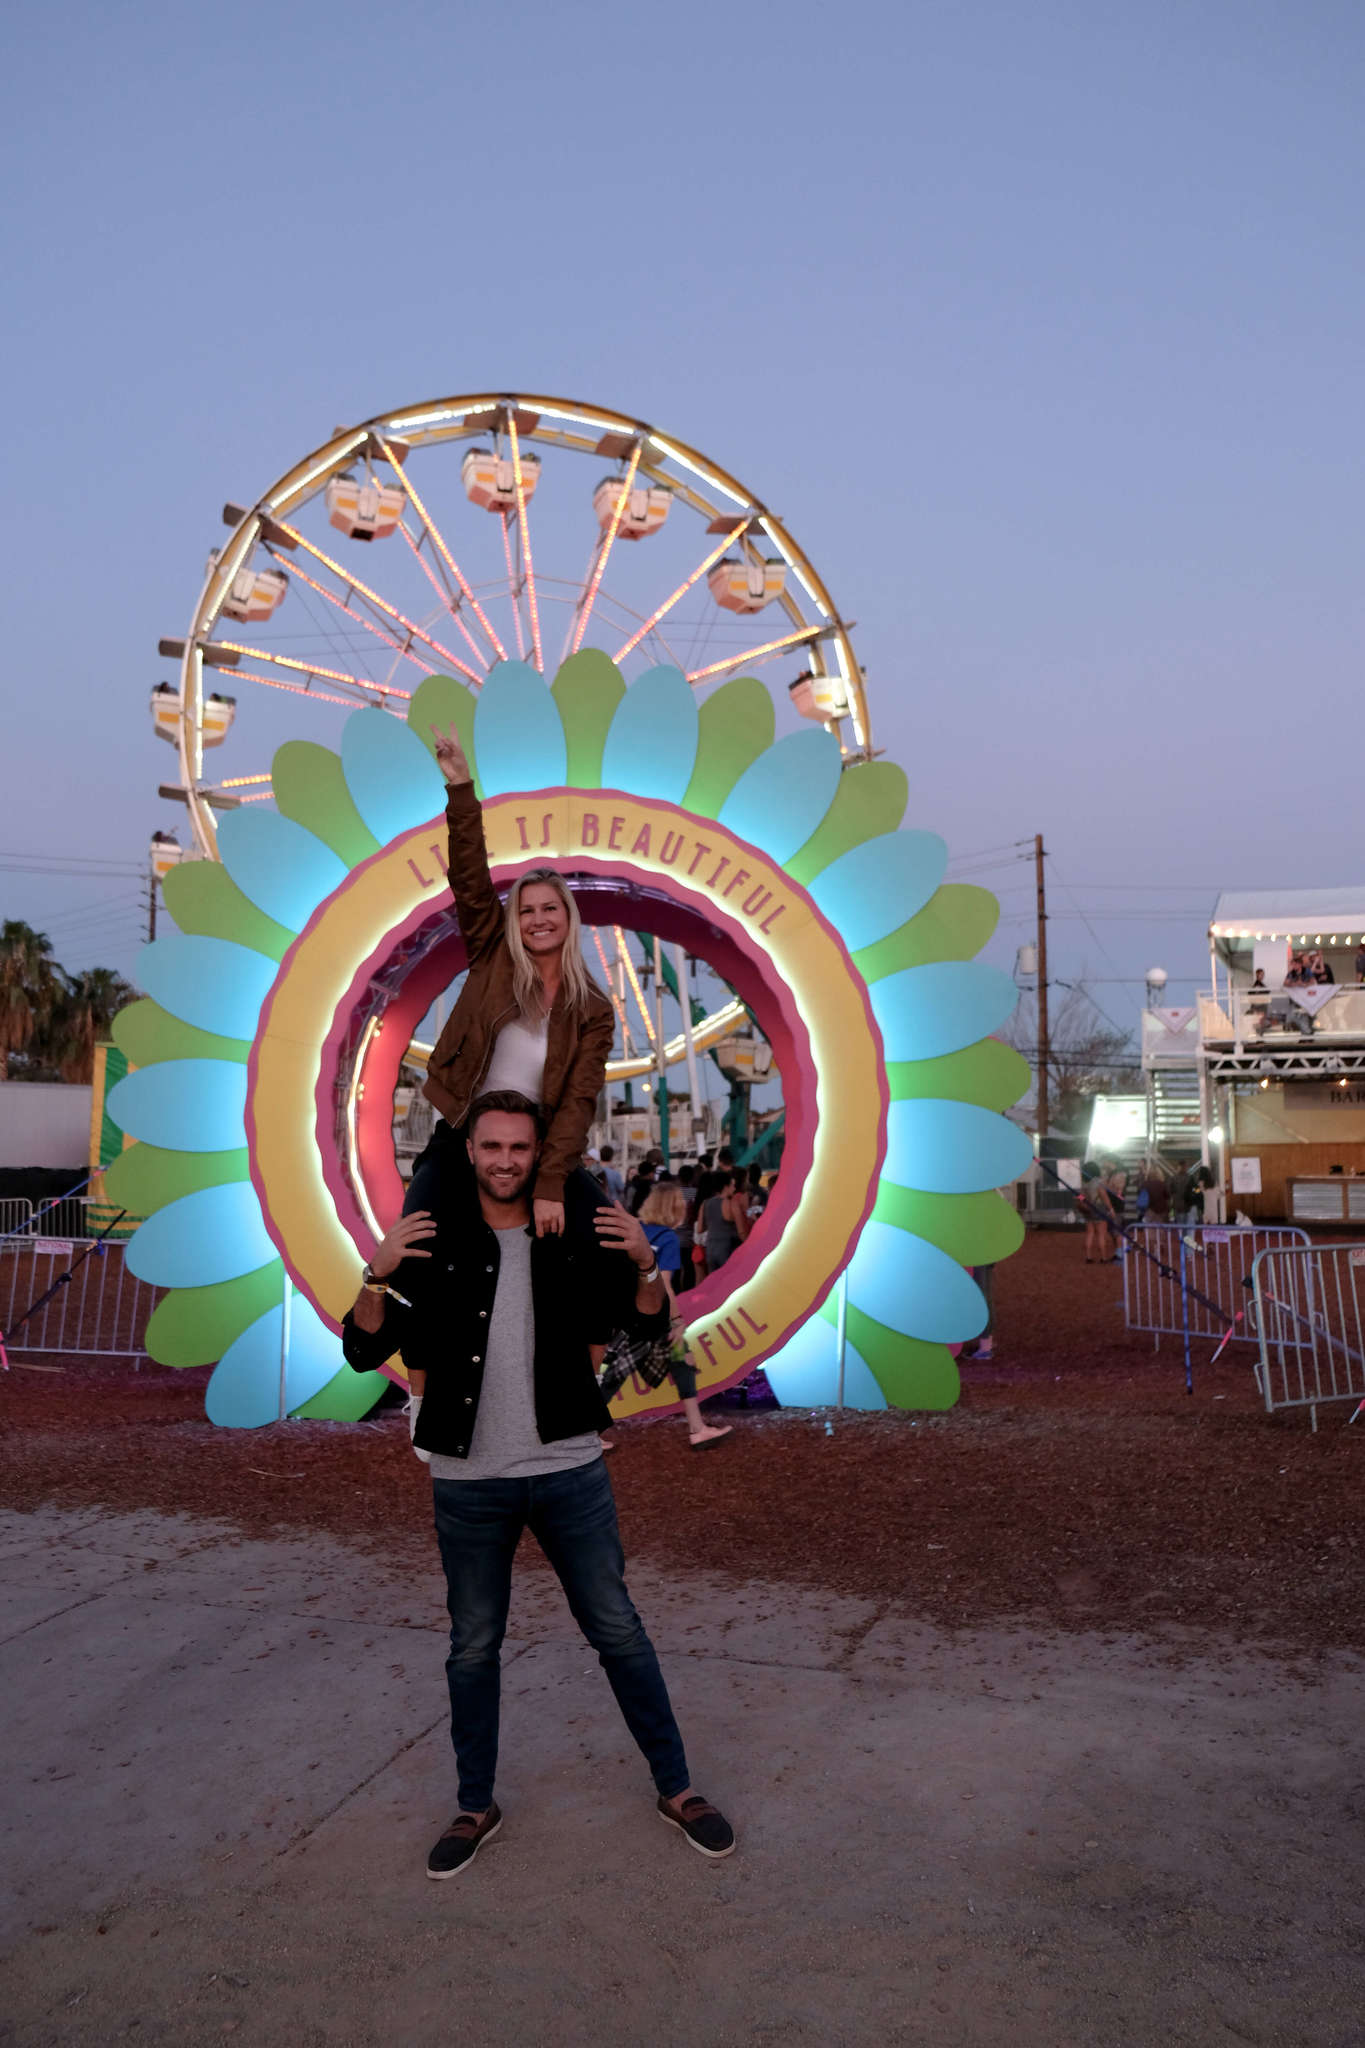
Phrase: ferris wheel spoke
{"type": "Point", "coordinates": [246, 675]}
{"type": "Point", "coordinates": [513, 587]}
{"type": "Point", "coordinates": [801, 639]}
{"type": "Point", "coordinates": [605, 547]}
{"type": "Point", "coordinates": [447, 598]}
{"type": "Point", "coordinates": [438, 542]}
{"type": "Point", "coordinates": [371, 597]}
{"type": "Point", "coordinates": [616, 1003]}
{"type": "Point", "coordinates": [636, 990]}
{"type": "Point", "coordinates": [311, 668]}
{"type": "Point", "coordinates": [524, 537]}
{"type": "Point", "coordinates": [359, 619]}
{"type": "Point", "coordinates": [628, 646]}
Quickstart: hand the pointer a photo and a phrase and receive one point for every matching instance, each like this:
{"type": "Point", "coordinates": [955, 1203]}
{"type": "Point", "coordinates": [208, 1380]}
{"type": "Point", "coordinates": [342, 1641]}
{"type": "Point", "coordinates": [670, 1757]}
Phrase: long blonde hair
{"type": "Point", "coordinates": [577, 983]}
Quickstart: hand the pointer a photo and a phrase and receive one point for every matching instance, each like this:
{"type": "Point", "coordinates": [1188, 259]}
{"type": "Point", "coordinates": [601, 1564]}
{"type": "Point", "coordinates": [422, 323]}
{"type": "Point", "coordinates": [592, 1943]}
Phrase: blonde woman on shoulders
{"type": "Point", "coordinates": [530, 1018]}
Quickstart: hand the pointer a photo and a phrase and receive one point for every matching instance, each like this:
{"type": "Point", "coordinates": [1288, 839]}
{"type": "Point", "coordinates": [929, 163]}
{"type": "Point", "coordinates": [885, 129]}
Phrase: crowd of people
{"type": "Point", "coordinates": [1159, 1198]}
{"type": "Point", "coordinates": [711, 1206]}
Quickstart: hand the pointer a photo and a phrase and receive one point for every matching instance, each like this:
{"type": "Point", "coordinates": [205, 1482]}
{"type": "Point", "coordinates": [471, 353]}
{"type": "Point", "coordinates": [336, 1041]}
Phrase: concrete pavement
{"type": "Point", "coordinates": [227, 1758]}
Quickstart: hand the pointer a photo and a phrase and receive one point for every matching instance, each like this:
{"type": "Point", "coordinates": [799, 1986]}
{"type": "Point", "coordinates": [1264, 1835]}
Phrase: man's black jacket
{"type": "Point", "coordinates": [581, 1294]}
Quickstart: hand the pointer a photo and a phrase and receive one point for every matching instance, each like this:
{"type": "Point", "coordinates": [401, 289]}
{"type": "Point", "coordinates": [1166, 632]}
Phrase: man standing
{"type": "Point", "coordinates": [501, 1322]}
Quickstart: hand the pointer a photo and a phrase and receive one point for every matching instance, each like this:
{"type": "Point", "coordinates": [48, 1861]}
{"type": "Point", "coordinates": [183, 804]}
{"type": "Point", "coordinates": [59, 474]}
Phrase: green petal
{"type": "Point", "coordinates": [587, 690]}
{"type": "Point", "coordinates": [440, 700]}
{"type": "Point", "coordinates": [870, 800]}
{"type": "Point", "coordinates": [145, 1033]}
{"type": "Point", "coordinates": [144, 1178]}
{"type": "Point", "coordinates": [954, 925]}
{"type": "Point", "coordinates": [203, 898]}
{"type": "Point", "coordinates": [736, 725]}
{"type": "Point", "coordinates": [345, 1398]}
{"type": "Point", "coordinates": [988, 1073]}
{"type": "Point", "coordinates": [976, 1230]}
{"type": "Point", "coordinates": [195, 1325]}
{"type": "Point", "coordinates": [911, 1373]}
{"type": "Point", "coordinates": [310, 788]}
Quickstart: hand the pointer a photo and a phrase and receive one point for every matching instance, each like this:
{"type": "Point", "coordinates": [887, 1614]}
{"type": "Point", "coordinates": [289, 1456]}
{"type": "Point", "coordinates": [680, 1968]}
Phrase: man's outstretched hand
{"type": "Point", "coordinates": [404, 1241]}
{"type": "Point", "coordinates": [619, 1231]}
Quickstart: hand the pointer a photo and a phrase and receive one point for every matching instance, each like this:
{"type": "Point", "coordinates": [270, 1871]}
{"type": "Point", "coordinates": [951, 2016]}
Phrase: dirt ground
{"type": "Point", "coordinates": [1039, 1721]}
{"type": "Point", "coordinates": [1076, 1485]}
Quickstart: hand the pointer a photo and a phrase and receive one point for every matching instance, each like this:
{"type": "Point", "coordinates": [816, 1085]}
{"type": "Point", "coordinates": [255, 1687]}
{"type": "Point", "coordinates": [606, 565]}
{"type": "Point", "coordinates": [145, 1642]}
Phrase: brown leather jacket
{"type": "Point", "coordinates": [577, 1046]}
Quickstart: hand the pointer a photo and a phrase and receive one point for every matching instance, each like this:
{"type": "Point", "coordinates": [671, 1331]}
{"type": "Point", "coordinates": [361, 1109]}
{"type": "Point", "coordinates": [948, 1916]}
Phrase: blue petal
{"type": "Point", "coordinates": [244, 1391]}
{"type": "Point", "coordinates": [278, 865]}
{"type": "Point", "coordinates": [213, 983]}
{"type": "Point", "coordinates": [651, 745]}
{"type": "Point", "coordinates": [214, 1234]}
{"type": "Point", "coordinates": [923, 1012]}
{"type": "Point", "coordinates": [778, 801]}
{"type": "Point", "coordinates": [805, 1372]}
{"type": "Point", "coordinates": [518, 733]}
{"type": "Point", "coordinates": [873, 888]}
{"type": "Point", "coordinates": [952, 1148]}
{"type": "Point", "coordinates": [183, 1105]}
{"type": "Point", "coordinates": [394, 782]}
{"type": "Point", "coordinates": [911, 1286]}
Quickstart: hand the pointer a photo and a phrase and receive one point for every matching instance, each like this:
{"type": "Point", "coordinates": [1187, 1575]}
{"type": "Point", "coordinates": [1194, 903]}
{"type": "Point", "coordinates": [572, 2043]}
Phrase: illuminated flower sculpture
{"type": "Point", "coordinates": [278, 1016]}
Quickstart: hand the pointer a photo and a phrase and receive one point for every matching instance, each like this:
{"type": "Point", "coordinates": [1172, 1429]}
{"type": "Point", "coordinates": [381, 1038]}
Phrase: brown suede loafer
{"type": "Point", "coordinates": [461, 1843]}
{"type": "Point", "coordinates": [709, 1832]}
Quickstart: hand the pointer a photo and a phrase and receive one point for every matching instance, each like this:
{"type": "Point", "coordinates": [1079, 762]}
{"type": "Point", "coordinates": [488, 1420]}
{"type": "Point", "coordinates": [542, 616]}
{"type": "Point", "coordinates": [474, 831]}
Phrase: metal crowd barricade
{"type": "Point", "coordinates": [1310, 1321]}
{"type": "Point", "coordinates": [15, 1214]}
{"type": "Point", "coordinates": [1192, 1260]}
{"type": "Point", "coordinates": [102, 1312]}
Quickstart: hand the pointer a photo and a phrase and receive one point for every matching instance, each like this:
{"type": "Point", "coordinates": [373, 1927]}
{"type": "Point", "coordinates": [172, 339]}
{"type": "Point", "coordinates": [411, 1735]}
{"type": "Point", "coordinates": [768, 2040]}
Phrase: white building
{"type": "Point", "coordinates": [1279, 1053]}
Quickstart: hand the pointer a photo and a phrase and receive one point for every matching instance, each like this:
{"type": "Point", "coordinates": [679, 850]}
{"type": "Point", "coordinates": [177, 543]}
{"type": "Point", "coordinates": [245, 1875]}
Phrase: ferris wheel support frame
{"type": "Point", "coordinates": [464, 417]}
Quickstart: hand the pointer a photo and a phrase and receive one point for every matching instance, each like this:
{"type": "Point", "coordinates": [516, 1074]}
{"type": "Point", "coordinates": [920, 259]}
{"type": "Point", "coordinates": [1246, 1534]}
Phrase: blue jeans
{"type": "Point", "coordinates": [572, 1516]}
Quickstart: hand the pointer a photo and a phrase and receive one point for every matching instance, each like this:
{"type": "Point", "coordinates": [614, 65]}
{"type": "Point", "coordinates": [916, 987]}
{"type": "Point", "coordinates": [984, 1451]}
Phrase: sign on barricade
{"type": "Point", "coordinates": [1308, 1313]}
{"type": "Point", "coordinates": [1194, 1284]}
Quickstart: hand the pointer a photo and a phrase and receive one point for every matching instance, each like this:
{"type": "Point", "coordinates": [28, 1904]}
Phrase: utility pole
{"type": "Point", "coordinates": [151, 906]}
{"type": "Point", "coordinates": [1044, 1046]}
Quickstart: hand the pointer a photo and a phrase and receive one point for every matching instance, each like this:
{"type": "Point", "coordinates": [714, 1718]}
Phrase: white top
{"type": "Point", "coordinates": [519, 1059]}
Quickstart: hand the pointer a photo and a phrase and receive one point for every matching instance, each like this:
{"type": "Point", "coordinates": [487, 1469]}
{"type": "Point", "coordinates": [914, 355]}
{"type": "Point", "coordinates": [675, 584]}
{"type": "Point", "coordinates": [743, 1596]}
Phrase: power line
{"type": "Point", "coordinates": [104, 869]}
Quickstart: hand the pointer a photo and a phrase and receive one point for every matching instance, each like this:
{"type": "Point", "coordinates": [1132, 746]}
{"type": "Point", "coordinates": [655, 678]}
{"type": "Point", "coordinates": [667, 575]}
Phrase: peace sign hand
{"type": "Point", "coordinates": [450, 755]}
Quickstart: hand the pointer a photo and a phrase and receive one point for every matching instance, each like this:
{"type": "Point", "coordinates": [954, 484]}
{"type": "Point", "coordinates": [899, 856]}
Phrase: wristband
{"type": "Point", "coordinates": [650, 1274]}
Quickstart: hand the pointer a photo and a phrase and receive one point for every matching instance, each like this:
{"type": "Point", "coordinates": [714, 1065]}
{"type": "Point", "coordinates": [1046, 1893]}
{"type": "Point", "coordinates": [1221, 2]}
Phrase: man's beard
{"type": "Point", "coordinates": [508, 1191]}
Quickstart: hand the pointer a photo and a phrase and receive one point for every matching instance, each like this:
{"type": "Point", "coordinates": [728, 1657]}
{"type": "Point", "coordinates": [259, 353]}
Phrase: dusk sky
{"type": "Point", "coordinates": [1042, 327]}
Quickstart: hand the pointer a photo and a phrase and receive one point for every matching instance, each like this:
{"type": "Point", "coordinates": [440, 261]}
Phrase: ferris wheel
{"type": "Point", "coordinates": [448, 537]}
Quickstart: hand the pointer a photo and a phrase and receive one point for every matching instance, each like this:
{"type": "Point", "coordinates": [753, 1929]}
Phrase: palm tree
{"type": "Point", "coordinates": [85, 1006]}
{"type": "Point", "coordinates": [27, 987]}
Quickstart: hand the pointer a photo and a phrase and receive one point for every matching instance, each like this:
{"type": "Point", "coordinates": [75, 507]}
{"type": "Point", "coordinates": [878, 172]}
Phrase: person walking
{"type": "Point", "coordinates": [662, 1216]}
{"type": "Point", "coordinates": [501, 1321]}
{"type": "Point", "coordinates": [1198, 1185]}
{"type": "Point", "coordinates": [529, 1018]}
{"type": "Point", "coordinates": [1098, 1208]}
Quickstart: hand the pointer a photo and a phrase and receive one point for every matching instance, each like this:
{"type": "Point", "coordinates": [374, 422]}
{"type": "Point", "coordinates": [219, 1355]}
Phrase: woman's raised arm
{"type": "Point", "coordinates": [476, 900]}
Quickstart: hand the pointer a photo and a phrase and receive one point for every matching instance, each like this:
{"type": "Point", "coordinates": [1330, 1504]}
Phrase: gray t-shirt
{"type": "Point", "coordinates": [506, 1443]}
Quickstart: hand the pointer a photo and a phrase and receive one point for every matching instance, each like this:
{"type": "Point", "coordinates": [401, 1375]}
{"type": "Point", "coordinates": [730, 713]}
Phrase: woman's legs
{"type": "Point", "coordinates": [685, 1380]}
{"type": "Point", "coordinates": [443, 1171]}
